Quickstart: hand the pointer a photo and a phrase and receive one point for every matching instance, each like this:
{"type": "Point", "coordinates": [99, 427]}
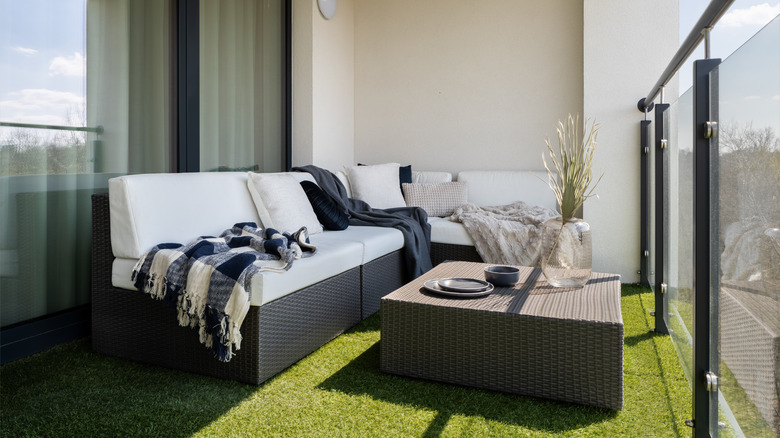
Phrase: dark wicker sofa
{"type": "Point", "coordinates": [131, 325]}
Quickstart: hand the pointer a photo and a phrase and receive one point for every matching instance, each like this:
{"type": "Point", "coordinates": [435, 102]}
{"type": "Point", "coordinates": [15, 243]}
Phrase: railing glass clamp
{"type": "Point", "coordinates": [710, 129]}
{"type": "Point", "coordinates": [712, 381]}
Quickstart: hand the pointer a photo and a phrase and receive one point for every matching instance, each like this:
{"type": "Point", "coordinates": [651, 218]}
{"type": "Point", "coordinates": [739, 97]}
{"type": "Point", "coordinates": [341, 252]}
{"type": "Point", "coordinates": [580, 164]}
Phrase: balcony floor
{"type": "Point", "coordinates": [336, 391]}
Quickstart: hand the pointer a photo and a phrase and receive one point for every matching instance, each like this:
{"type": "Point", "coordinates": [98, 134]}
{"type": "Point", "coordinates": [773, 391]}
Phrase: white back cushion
{"type": "Point", "coordinates": [503, 187]}
{"type": "Point", "coordinates": [377, 184]}
{"type": "Point", "coordinates": [281, 202]}
{"type": "Point", "coordinates": [342, 176]}
{"type": "Point", "coordinates": [430, 177]}
{"type": "Point", "coordinates": [175, 207]}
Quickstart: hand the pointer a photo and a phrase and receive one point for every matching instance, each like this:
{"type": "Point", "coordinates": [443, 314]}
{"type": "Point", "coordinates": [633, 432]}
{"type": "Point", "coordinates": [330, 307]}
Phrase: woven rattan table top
{"type": "Point", "coordinates": [598, 300]}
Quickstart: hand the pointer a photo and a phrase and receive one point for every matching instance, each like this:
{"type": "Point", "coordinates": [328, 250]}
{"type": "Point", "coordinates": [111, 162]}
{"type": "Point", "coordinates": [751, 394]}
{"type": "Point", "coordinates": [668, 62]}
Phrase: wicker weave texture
{"type": "Point", "coordinates": [296, 325]}
{"type": "Point", "coordinates": [442, 252]}
{"type": "Point", "coordinates": [750, 346]}
{"type": "Point", "coordinates": [508, 341]}
{"type": "Point", "coordinates": [380, 277]}
{"type": "Point", "coordinates": [131, 325]}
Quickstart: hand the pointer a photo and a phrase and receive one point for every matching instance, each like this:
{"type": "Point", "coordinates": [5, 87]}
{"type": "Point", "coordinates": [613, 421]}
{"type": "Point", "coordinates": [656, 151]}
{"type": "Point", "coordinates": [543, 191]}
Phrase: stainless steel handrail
{"type": "Point", "coordinates": [711, 15]}
{"type": "Point", "coordinates": [97, 129]}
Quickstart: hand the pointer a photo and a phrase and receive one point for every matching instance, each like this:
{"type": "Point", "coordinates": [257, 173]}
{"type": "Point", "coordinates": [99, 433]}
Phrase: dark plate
{"type": "Point", "coordinates": [463, 284]}
{"type": "Point", "coordinates": [433, 286]}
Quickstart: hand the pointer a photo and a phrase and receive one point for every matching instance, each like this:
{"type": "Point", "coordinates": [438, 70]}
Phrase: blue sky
{"type": "Point", "coordinates": [750, 75]}
{"type": "Point", "coordinates": [43, 54]}
{"type": "Point", "coordinates": [743, 20]}
{"type": "Point", "coordinates": [42, 60]}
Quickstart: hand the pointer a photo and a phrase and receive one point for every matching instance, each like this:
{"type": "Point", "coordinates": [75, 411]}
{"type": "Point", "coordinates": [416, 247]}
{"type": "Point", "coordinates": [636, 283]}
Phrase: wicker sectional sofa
{"type": "Point", "coordinates": [292, 313]}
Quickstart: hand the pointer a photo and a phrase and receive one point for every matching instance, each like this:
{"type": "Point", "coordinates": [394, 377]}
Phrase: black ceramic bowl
{"type": "Point", "coordinates": [502, 275]}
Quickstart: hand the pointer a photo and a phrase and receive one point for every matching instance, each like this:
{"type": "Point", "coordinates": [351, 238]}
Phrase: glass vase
{"type": "Point", "coordinates": [566, 257]}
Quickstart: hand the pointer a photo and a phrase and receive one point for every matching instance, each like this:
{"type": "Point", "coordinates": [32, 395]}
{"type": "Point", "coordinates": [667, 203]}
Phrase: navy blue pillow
{"type": "Point", "coordinates": [405, 174]}
{"type": "Point", "coordinates": [328, 212]}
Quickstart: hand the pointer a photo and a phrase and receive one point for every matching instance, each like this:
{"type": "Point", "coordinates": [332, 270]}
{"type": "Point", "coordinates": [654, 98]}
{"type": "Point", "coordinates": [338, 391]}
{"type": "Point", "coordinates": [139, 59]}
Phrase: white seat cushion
{"type": "Point", "coordinates": [334, 256]}
{"type": "Point", "coordinates": [377, 241]}
{"type": "Point", "coordinates": [121, 271]}
{"type": "Point", "coordinates": [453, 233]}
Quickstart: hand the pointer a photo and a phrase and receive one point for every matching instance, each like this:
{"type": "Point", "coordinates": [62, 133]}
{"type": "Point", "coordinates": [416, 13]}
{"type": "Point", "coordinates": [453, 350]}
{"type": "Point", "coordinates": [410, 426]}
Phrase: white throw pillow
{"type": "Point", "coordinates": [378, 185]}
{"type": "Point", "coordinates": [342, 176]}
{"type": "Point", "coordinates": [281, 203]}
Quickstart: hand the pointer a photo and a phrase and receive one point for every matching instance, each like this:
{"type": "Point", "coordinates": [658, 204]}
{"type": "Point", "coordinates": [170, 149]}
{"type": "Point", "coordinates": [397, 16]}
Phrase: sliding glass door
{"type": "Point", "coordinates": [85, 95]}
{"type": "Point", "coordinates": [241, 85]}
{"type": "Point", "coordinates": [89, 90]}
{"type": "Point", "coordinates": [130, 84]}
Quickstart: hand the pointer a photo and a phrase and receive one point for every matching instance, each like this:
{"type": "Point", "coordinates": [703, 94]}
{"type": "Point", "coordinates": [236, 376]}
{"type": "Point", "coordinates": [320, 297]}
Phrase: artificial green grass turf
{"type": "Point", "coordinates": [336, 391]}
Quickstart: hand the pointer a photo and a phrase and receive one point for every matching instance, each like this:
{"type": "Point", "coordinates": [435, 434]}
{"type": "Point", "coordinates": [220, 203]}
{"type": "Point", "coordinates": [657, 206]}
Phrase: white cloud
{"type": "Point", "coordinates": [752, 97]}
{"type": "Point", "coordinates": [776, 97]}
{"type": "Point", "coordinates": [25, 50]}
{"type": "Point", "coordinates": [754, 16]}
{"type": "Point", "coordinates": [40, 96]}
{"type": "Point", "coordinates": [39, 105]}
{"type": "Point", "coordinates": [70, 66]}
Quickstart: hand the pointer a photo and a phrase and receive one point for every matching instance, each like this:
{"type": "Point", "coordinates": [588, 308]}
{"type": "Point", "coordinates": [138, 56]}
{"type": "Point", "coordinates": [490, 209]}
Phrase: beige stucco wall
{"type": "Point", "coordinates": [302, 86]}
{"type": "Point", "coordinates": [323, 85]}
{"type": "Point", "coordinates": [455, 85]}
{"type": "Point", "coordinates": [622, 62]}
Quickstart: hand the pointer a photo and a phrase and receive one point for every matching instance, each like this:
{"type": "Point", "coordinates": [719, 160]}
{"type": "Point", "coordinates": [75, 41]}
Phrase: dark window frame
{"type": "Point", "coordinates": [187, 90]}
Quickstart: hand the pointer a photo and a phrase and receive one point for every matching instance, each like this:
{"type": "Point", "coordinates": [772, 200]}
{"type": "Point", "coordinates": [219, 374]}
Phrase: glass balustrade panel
{"type": "Point", "coordinates": [678, 225]}
{"type": "Point", "coordinates": [746, 303]}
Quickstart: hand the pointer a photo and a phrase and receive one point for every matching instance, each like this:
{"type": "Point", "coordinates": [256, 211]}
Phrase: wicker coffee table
{"type": "Point", "coordinates": [531, 339]}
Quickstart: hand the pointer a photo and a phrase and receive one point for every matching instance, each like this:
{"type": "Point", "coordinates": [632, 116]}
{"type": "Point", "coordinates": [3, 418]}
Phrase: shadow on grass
{"type": "Point", "coordinates": [627, 290]}
{"type": "Point", "coordinates": [631, 341]}
{"type": "Point", "coordinates": [370, 324]}
{"type": "Point", "coordinates": [663, 373]}
{"type": "Point", "coordinates": [71, 391]}
{"type": "Point", "coordinates": [363, 377]}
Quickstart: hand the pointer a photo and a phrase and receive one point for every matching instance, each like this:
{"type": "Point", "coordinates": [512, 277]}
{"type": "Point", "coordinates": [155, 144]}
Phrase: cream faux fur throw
{"type": "Point", "coordinates": [508, 234]}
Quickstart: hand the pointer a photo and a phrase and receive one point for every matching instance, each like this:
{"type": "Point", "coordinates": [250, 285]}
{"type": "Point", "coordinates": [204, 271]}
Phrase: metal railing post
{"type": "Point", "coordinates": [645, 203]}
{"type": "Point", "coordinates": [705, 246]}
{"type": "Point", "coordinates": [661, 199]}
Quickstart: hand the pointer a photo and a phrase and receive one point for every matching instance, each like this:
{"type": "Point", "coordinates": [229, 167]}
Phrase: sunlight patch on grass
{"type": "Point", "coordinates": [336, 391]}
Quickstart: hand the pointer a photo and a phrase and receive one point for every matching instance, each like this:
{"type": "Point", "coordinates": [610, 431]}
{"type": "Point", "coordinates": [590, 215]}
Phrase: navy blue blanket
{"type": "Point", "coordinates": [411, 221]}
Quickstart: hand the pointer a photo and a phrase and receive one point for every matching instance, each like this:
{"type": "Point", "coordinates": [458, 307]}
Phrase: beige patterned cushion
{"type": "Point", "coordinates": [438, 199]}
